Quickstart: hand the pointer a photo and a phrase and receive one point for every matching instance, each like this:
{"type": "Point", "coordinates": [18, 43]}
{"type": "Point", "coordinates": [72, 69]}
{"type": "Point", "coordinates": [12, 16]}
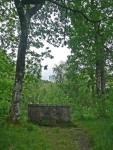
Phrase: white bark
{"type": "Point", "coordinates": [15, 106]}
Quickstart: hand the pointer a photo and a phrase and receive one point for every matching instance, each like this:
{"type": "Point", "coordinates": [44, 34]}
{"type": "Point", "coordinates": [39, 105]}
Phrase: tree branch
{"type": "Point", "coordinates": [20, 11]}
{"type": "Point", "coordinates": [76, 11]}
{"type": "Point", "coordinates": [34, 2]}
{"type": "Point", "coordinates": [37, 2]}
{"type": "Point", "coordinates": [34, 9]}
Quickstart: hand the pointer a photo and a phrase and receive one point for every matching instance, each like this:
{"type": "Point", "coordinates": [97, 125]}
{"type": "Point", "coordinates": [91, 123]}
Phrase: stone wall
{"type": "Point", "coordinates": [59, 113]}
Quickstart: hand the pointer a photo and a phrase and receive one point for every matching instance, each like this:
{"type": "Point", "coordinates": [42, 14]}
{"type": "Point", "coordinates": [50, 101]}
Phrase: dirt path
{"type": "Point", "coordinates": [75, 136]}
{"type": "Point", "coordinates": [83, 139]}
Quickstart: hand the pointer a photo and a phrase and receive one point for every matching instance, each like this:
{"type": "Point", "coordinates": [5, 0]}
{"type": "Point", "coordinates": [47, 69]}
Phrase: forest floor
{"type": "Point", "coordinates": [83, 140]}
{"type": "Point", "coordinates": [82, 135]}
{"type": "Point", "coordinates": [27, 136]}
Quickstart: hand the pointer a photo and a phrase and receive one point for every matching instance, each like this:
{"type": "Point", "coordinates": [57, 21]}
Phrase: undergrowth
{"type": "Point", "coordinates": [27, 136]}
{"type": "Point", "coordinates": [100, 133]}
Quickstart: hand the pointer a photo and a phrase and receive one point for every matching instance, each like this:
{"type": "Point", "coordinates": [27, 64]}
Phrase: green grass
{"type": "Point", "coordinates": [27, 136]}
{"type": "Point", "coordinates": [100, 133]}
{"type": "Point", "coordinates": [48, 123]}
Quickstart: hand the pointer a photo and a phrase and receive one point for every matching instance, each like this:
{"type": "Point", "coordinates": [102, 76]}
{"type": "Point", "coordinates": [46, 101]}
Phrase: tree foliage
{"type": "Point", "coordinates": [58, 73]}
{"type": "Point", "coordinates": [91, 43]}
{"type": "Point", "coordinates": [28, 23]}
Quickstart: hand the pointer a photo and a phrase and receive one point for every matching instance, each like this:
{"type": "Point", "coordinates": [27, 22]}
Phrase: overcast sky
{"type": "Point", "coordinates": [60, 54]}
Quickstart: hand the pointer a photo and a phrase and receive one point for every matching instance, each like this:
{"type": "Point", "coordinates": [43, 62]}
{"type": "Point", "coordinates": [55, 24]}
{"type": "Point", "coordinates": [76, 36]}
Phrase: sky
{"type": "Point", "coordinates": [60, 54]}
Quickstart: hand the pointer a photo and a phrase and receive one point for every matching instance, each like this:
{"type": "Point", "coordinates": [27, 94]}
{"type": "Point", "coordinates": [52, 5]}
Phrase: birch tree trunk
{"type": "Point", "coordinates": [19, 76]}
{"type": "Point", "coordinates": [24, 17]}
{"type": "Point", "coordinates": [14, 112]}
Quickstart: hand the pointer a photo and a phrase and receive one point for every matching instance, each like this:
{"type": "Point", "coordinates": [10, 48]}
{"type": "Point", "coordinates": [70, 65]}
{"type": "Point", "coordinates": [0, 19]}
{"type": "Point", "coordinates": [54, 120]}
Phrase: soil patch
{"type": "Point", "coordinates": [83, 139]}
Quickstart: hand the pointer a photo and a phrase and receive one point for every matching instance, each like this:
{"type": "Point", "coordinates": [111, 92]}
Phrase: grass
{"type": "Point", "coordinates": [27, 136]}
{"type": "Point", "coordinates": [100, 133]}
{"type": "Point", "coordinates": [51, 123]}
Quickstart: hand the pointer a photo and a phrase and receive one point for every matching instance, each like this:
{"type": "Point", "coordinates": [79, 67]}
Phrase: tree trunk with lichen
{"type": "Point", "coordinates": [24, 17]}
{"type": "Point", "coordinates": [103, 77]}
{"type": "Point", "coordinates": [14, 112]}
{"type": "Point", "coordinates": [19, 77]}
{"type": "Point", "coordinates": [100, 76]}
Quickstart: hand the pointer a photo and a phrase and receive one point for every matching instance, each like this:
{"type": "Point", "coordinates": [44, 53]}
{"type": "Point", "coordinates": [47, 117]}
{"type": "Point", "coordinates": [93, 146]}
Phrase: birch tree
{"type": "Point", "coordinates": [28, 22]}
